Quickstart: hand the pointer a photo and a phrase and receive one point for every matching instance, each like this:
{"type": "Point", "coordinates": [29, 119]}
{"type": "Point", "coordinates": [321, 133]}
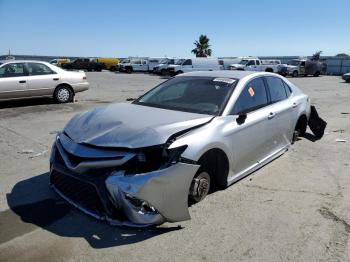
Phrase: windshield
{"type": "Point", "coordinates": [294, 62]}
{"type": "Point", "coordinates": [203, 95]}
{"type": "Point", "coordinates": [125, 61]}
{"type": "Point", "coordinates": [180, 62]}
{"type": "Point", "coordinates": [243, 62]}
{"type": "Point", "coordinates": [163, 61]}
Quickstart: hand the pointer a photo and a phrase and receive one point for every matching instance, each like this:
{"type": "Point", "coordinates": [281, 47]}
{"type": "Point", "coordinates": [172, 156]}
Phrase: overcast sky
{"type": "Point", "coordinates": [161, 27]}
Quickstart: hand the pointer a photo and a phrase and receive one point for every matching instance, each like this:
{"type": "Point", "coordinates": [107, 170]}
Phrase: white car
{"type": "Point", "coordinates": [255, 64]}
{"type": "Point", "coordinates": [29, 79]}
{"type": "Point", "coordinates": [194, 64]}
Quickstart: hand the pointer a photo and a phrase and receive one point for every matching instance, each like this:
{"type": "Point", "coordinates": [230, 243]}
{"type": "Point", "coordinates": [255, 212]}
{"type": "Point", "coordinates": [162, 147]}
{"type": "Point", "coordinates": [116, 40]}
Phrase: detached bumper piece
{"type": "Point", "coordinates": [316, 123]}
{"type": "Point", "coordinates": [93, 180]}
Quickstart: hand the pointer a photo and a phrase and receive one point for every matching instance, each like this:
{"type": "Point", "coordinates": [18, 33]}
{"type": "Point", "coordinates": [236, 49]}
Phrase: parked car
{"type": "Point", "coordinates": [84, 64]}
{"type": "Point", "coordinates": [255, 64]}
{"type": "Point", "coordinates": [194, 64]}
{"type": "Point", "coordinates": [304, 67]}
{"type": "Point", "coordinates": [227, 62]}
{"type": "Point", "coordinates": [59, 61]}
{"type": "Point", "coordinates": [153, 62]}
{"type": "Point", "coordinates": [162, 67]}
{"type": "Point", "coordinates": [346, 77]}
{"type": "Point", "coordinates": [138, 64]}
{"type": "Point", "coordinates": [139, 164]}
{"type": "Point", "coordinates": [134, 65]}
{"type": "Point", "coordinates": [28, 79]}
{"type": "Point", "coordinates": [108, 63]}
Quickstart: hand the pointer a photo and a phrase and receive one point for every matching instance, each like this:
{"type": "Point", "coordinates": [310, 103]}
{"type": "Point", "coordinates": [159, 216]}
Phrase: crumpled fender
{"type": "Point", "coordinates": [166, 190]}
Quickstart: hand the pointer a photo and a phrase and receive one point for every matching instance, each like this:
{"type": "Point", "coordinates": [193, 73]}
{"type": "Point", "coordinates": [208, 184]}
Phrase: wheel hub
{"type": "Point", "coordinates": [63, 95]}
{"type": "Point", "coordinates": [200, 187]}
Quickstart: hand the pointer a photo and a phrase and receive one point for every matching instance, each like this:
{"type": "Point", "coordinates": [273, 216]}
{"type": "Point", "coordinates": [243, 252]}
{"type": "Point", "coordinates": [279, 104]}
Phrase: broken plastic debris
{"type": "Point", "coordinates": [27, 151]}
{"type": "Point", "coordinates": [39, 154]}
{"type": "Point", "coordinates": [341, 140]}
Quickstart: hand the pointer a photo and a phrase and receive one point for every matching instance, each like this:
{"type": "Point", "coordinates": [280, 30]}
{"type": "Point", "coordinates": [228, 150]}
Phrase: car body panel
{"type": "Point", "coordinates": [111, 126]}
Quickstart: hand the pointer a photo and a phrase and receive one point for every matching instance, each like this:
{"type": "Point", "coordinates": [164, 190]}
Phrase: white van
{"type": "Point", "coordinates": [194, 64]}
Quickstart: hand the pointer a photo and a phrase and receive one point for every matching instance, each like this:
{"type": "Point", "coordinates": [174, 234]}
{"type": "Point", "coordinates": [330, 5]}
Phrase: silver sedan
{"type": "Point", "coordinates": [143, 163]}
{"type": "Point", "coordinates": [28, 79]}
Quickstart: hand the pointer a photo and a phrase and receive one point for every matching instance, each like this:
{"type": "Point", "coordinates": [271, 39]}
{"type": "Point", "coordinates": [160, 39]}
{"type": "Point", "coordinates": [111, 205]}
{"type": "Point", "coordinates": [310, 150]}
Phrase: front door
{"type": "Point", "coordinates": [250, 138]}
{"type": "Point", "coordinates": [13, 81]}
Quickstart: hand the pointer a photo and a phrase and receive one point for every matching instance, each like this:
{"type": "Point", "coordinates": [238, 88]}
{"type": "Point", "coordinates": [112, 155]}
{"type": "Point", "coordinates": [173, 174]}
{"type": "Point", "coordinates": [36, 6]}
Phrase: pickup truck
{"type": "Point", "coordinates": [83, 64]}
{"type": "Point", "coordinates": [304, 67]}
{"type": "Point", "coordinates": [255, 64]}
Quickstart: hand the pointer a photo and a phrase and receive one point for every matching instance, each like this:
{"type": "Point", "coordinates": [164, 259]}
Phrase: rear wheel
{"type": "Point", "coordinates": [317, 74]}
{"type": "Point", "coordinates": [63, 94]}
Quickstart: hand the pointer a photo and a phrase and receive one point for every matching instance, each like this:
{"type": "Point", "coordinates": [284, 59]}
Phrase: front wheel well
{"type": "Point", "coordinates": [216, 162]}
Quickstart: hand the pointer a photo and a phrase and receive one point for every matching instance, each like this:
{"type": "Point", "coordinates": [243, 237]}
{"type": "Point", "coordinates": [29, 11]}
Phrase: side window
{"type": "Point", "coordinates": [253, 96]}
{"type": "Point", "coordinates": [187, 62]}
{"type": "Point", "coordinates": [35, 69]}
{"type": "Point", "coordinates": [250, 63]}
{"type": "Point", "coordinates": [12, 70]}
{"type": "Point", "coordinates": [137, 62]}
{"type": "Point", "coordinates": [276, 88]}
{"type": "Point", "coordinates": [287, 88]}
{"type": "Point", "coordinates": [257, 62]}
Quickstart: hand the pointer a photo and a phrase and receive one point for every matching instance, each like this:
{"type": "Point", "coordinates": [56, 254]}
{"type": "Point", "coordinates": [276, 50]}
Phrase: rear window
{"type": "Point", "coordinates": [276, 88]}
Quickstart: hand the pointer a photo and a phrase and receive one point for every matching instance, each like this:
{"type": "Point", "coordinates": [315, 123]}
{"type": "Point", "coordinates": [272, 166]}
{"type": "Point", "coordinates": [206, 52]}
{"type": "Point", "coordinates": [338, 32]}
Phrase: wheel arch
{"type": "Point", "coordinates": [66, 85]}
{"type": "Point", "coordinates": [217, 160]}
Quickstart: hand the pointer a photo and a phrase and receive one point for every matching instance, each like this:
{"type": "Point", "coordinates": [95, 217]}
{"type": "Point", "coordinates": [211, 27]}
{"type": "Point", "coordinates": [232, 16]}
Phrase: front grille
{"type": "Point", "coordinates": [79, 192]}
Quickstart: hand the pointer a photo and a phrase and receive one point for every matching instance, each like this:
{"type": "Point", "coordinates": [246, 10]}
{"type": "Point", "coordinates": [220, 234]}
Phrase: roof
{"type": "Point", "coordinates": [238, 74]}
{"type": "Point", "coordinates": [22, 61]}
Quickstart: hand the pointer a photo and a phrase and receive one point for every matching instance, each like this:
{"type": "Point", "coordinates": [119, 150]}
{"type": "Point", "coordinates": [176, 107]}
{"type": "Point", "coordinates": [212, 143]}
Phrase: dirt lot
{"type": "Point", "coordinates": [297, 208]}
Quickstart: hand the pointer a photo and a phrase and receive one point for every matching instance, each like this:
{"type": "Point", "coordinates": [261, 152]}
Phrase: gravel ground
{"type": "Point", "coordinates": [296, 208]}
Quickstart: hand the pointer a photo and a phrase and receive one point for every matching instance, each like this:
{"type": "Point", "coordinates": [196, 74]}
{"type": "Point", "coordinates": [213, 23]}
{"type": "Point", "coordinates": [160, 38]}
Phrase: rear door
{"type": "Point", "coordinates": [13, 81]}
{"type": "Point", "coordinates": [42, 80]}
{"type": "Point", "coordinates": [284, 112]}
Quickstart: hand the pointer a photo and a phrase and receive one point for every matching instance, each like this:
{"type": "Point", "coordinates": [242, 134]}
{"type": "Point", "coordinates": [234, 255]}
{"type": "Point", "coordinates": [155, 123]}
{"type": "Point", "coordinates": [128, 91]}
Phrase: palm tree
{"type": "Point", "coordinates": [202, 47]}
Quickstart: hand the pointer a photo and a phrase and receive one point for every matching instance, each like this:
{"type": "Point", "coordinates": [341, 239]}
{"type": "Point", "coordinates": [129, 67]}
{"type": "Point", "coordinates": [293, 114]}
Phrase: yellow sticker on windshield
{"type": "Point", "coordinates": [251, 91]}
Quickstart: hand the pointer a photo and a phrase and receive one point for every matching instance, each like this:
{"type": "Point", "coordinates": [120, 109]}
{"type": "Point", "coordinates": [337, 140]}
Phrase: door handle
{"type": "Point", "coordinates": [55, 79]}
{"type": "Point", "coordinates": [22, 81]}
{"type": "Point", "coordinates": [271, 115]}
{"type": "Point", "coordinates": [295, 105]}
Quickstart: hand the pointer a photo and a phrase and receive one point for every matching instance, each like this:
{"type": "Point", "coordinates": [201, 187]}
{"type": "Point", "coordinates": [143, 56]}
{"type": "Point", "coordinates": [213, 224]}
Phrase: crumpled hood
{"type": "Point", "coordinates": [130, 125]}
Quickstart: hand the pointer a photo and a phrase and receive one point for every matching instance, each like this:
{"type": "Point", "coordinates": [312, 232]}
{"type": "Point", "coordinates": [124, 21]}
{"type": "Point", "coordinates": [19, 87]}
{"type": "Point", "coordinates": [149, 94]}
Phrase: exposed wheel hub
{"type": "Point", "coordinates": [200, 187]}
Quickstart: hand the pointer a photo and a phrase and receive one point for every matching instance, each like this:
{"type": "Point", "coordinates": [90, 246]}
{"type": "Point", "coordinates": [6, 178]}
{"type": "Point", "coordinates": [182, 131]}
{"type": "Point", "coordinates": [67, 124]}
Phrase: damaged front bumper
{"type": "Point", "coordinates": [145, 199]}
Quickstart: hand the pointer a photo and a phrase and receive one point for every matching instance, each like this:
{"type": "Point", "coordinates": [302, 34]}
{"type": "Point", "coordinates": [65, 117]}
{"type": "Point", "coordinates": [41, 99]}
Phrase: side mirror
{"type": "Point", "coordinates": [241, 118]}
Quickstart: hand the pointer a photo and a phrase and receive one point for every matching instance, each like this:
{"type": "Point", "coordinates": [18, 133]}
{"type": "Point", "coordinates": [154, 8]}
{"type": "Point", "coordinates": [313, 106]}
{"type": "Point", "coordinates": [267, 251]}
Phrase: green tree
{"type": "Point", "coordinates": [202, 47]}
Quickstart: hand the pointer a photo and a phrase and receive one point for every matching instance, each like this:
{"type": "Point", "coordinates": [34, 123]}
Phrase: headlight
{"type": "Point", "coordinates": [153, 158]}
